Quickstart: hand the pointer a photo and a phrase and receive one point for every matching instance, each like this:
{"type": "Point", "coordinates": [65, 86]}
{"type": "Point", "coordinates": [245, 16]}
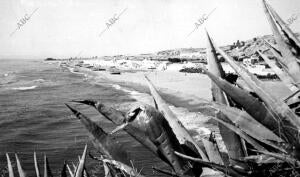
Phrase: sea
{"type": "Point", "coordinates": [33, 117]}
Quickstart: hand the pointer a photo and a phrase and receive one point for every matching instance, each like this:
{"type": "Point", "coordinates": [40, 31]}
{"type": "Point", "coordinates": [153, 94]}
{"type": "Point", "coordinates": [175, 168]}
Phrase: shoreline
{"type": "Point", "coordinates": [188, 108]}
{"type": "Point", "coordinates": [188, 95]}
{"type": "Point", "coordinates": [193, 88]}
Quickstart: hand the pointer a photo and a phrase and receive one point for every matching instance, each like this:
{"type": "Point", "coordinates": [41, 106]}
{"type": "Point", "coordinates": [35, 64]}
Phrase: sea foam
{"type": "Point", "coordinates": [25, 88]}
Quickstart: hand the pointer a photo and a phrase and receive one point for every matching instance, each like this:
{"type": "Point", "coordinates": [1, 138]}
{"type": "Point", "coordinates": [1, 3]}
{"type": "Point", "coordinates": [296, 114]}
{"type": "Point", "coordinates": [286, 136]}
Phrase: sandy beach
{"type": "Point", "coordinates": [187, 93]}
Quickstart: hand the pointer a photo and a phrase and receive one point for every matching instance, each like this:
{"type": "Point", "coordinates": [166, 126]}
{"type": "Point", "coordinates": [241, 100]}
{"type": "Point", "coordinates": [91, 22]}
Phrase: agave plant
{"type": "Point", "coordinates": [260, 131]}
{"type": "Point", "coordinates": [79, 170]}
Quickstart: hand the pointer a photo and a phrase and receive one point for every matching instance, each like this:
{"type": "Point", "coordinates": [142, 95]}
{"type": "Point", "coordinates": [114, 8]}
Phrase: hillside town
{"type": "Point", "coordinates": [186, 59]}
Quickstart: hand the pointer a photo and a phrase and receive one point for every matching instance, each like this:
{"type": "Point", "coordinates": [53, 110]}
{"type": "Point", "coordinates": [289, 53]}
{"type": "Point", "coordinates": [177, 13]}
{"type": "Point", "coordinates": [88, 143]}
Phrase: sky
{"type": "Point", "coordinates": [70, 28]}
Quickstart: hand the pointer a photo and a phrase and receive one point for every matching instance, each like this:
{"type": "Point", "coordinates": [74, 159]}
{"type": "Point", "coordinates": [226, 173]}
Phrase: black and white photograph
{"type": "Point", "coordinates": [149, 88]}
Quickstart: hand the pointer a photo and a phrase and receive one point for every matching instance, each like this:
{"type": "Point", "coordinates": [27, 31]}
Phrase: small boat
{"type": "Point", "coordinates": [98, 69]}
{"type": "Point", "coordinates": [115, 72]}
{"type": "Point", "coordinates": [63, 64]}
{"type": "Point", "coordinates": [75, 70]}
{"type": "Point", "coordinates": [152, 67]}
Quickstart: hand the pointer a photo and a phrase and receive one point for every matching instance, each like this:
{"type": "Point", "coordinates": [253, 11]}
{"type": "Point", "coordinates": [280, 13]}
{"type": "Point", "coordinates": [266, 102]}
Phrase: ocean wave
{"type": "Point", "coordinates": [25, 88]}
{"type": "Point", "coordinates": [7, 78]}
{"type": "Point", "coordinates": [131, 92]}
{"type": "Point", "coordinates": [39, 80]}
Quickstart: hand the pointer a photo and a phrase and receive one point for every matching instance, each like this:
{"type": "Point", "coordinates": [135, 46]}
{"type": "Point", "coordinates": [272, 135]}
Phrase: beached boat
{"type": "Point", "coordinates": [152, 67]}
{"type": "Point", "coordinates": [75, 70]}
{"type": "Point", "coordinates": [63, 64]}
{"type": "Point", "coordinates": [115, 72]}
{"type": "Point", "coordinates": [98, 69]}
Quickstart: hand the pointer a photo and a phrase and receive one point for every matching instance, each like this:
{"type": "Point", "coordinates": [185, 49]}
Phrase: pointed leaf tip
{"type": "Point", "coordinates": [87, 102]}
{"type": "Point", "coordinates": [70, 171]}
{"type": "Point", "coordinates": [20, 169]}
{"type": "Point", "coordinates": [64, 170]}
{"type": "Point", "coordinates": [80, 168]}
{"type": "Point", "coordinates": [72, 109]}
{"type": "Point", "coordinates": [47, 170]}
{"type": "Point", "coordinates": [9, 166]}
{"type": "Point", "coordinates": [37, 171]}
{"type": "Point", "coordinates": [84, 152]}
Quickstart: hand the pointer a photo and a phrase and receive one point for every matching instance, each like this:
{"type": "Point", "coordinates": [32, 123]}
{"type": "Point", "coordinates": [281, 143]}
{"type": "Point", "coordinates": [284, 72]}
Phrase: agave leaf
{"type": "Point", "coordinates": [9, 167]}
{"type": "Point", "coordinates": [274, 50]}
{"type": "Point", "coordinates": [179, 130]}
{"type": "Point", "coordinates": [123, 167]}
{"type": "Point", "coordinates": [284, 27]}
{"type": "Point", "coordinates": [283, 128]}
{"type": "Point", "coordinates": [109, 169]}
{"type": "Point", "coordinates": [289, 59]}
{"type": "Point", "coordinates": [225, 169]}
{"type": "Point", "coordinates": [70, 171]}
{"type": "Point", "coordinates": [213, 152]}
{"type": "Point", "coordinates": [47, 170]}
{"type": "Point", "coordinates": [277, 55]}
{"type": "Point", "coordinates": [241, 134]}
{"type": "Point", "coordinates": [212, 60]}
{"type": "Point", "coordinates": [165, 172]}
{"type": "Point", "coordinates": [113, 165]}
{"type": "Point", "coordinates": [85, 173]}
{"type": "Point", "coordinates": [286, 79]}
{"type": "Point", "coordinates": [36, 166]}
{"type": "Point", "coordinates": [154, 125]}
{"type": "Point", "coordinates": [109, 113]}
{"type": "Point", "coordinates": [118, 118]}
{"type": "Point", "coordinates": [232, 140]}
{"type": "Point", "coordinates": [79, 171]}
{"type": "Point", "coordinates": [275, 105]}
{"type": "Point", "coordinates": [107, 172]}
{"type": "Point", "coordinates": [20, 169]}
{"type": "Point", "coordinates": [282, 157]}
{"type": "Point", "coordinates": [248, 124]}
{"type": "Point", "coordinates": [74, 167]}
{"type": "Point", "coordinates": [251, 104]}
{"type": "Point", "coordinates": [63, 172]}
{"type": "Point", "coordinates": [262, 159]}
{"type": "Point", "coordinates": [254, 129]}
{"type": "Point", "coordinates": [101, 140]}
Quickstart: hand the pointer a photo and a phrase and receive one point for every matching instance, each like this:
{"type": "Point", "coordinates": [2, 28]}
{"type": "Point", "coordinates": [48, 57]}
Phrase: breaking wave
{"type": "Point", "coordinates": [25, 88]}
{"type": "Point", "coordinates": [39, 80]}
{"type": "Point", "coordinates": [131, 92]}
